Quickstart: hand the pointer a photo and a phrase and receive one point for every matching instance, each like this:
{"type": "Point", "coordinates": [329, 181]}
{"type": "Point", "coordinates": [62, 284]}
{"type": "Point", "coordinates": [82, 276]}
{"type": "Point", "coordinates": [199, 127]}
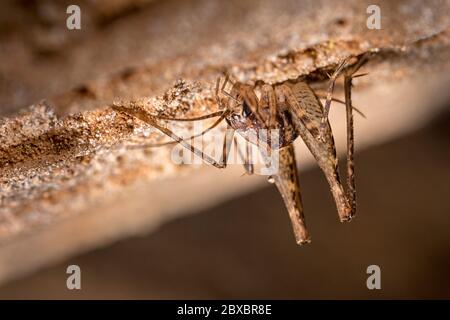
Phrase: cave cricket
{"type": "Point", "coordinates": [293, 109]}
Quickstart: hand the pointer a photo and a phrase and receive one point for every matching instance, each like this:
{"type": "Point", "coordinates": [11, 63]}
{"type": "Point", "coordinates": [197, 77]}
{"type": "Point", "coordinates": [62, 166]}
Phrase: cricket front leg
{"type": "Point", "coordinates": [247, 159]}
{"type": "Point", "coordinates": [287, 182]}
{"type": "Point", "coordinates": [144, 116]}
{"type": "Point", "coordinates": [226, 148]}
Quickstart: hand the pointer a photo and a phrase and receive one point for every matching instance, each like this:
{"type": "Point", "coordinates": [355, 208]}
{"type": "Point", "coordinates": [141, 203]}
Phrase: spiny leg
{"type": "Point", "coordinates": [324, 97]}
{"type": "Point", "coordinates": [208, 116]}
{"type": "Point", "coordinates": [160, 144]}
{"type": "Point", "coordinates": [351, 187]}
{"type": "Point", "coordinates": [302, 101]}
{"type": "Point", "coordinates": [144, 116]}
{"type": "Point", "coordinates": [150, 119]}
{"type": "Point", "coordinates": [186, 145]}
{"type": "Point", "coordinates": [330, 90]}
{"type": "Point", "coordinates": [287, 182]}
{"type": "Point", "coordinates": [228, 138]}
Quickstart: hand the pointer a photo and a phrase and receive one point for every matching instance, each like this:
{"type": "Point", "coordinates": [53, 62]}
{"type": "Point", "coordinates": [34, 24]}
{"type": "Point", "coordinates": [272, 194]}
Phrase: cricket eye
{"type": "Point", "coordinates": [246, 111]}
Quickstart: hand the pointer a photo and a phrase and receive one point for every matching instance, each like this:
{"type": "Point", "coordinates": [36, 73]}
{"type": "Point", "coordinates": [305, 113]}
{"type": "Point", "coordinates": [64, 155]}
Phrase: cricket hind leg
{"type": "Point", "coordinates": [302, 101]}
{"type": "Point", "coordinates": [350, 167]}
{"type": "Point", "coordinates": [287, 182]}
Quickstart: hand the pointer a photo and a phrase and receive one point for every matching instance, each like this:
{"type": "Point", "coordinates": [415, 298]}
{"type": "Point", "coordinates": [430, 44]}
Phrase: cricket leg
{"type": "Point", "coordinates": [268, 97]}
{"type": "Point", "coordinates": [211, 115]}
{"type": "Point", "coordinates": [222, 90]}
{"type": "Point", "coordinates": [144, 116]}
{"type": "Point", "coordinates": [160, 144]}
{"type": "Point", "coordinates": [337, 190]}
{"type": "Point", "coordinates": [328, 164]}
{"type": "Point", "coordinates": [228, 139]}
{"type": "Point", "coordinates": [252, 101]}
{"type": "Point", "coordinates": [324, 97]}
{"type": "Point", "coordinates": [248, 163]}
{"type": "Point", "coordinates": [287, 182]}
{"type": "Point", "coordinates": [330, 90]}
{"type": "Point", "coordinates": [246, 159]}
{"type": "Point", "coordinates": [304, 102]}
{"type": "Point", "coordinates": [351, 187]}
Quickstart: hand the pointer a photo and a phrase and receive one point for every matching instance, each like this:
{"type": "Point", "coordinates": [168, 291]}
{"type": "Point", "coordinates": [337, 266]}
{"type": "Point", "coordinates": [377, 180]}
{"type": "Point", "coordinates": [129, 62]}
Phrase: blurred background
{"type": "Point", "coordinates": [240, 245]}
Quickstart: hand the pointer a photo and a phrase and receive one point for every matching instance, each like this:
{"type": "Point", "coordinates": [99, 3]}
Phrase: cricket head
{"type": "Point", "coordinates": [242, 100]}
